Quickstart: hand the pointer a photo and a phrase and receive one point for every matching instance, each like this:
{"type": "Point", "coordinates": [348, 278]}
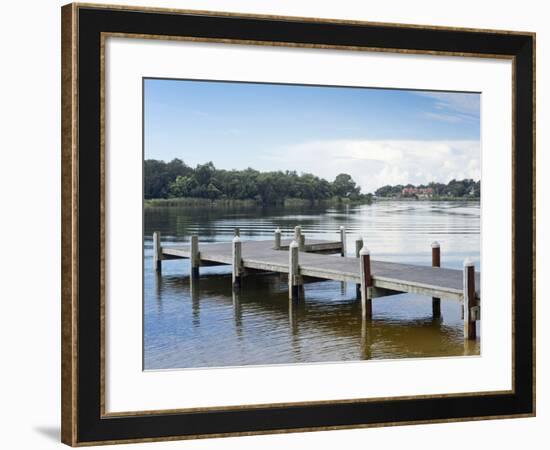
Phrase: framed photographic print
{"type": "Point", "coordinates": [281, 224]}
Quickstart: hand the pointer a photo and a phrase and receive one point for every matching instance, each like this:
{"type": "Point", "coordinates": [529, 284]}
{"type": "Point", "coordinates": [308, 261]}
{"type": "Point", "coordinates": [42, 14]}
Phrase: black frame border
{"type": "Point", "coordinates": [91, 425]}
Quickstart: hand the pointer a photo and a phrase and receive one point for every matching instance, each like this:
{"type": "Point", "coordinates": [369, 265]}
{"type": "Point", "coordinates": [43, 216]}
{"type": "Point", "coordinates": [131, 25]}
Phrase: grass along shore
{"type": "Point", "coordinates": [248, 203]}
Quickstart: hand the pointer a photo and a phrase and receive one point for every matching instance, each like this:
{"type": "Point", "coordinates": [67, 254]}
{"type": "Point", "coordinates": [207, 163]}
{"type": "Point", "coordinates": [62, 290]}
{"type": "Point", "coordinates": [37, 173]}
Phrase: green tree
{"type": "Point", "coordinates": [213, 192]}
{"type": "Point", "coordinates": [182, 186]}
{"type": "Point", "coordinates": [175, 180]}
{"type": "Point", "coordinates": [384, 191]}
{"type": "Point", "coordinates": [344, 186]}
{"type": "Point", "coordinates": [158, 176]}
{"type": "Point", "coordinates": [204, 172]}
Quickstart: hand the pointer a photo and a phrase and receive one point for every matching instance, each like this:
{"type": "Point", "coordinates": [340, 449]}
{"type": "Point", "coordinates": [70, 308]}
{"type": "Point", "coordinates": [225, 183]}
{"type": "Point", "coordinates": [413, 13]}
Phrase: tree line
{"type": "Point", "coordinates": [454, 188]}
{"type": "Point", "coordinates": [175, 179]}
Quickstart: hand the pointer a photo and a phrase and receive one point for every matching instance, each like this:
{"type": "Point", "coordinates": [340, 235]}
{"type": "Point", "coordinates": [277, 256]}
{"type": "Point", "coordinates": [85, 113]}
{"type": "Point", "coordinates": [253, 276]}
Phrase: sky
{"type": "Point", "coordinates": [378, 136]}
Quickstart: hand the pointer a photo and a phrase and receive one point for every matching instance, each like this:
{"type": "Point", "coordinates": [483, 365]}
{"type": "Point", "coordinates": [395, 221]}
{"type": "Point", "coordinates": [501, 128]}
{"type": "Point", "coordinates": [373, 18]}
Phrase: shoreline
{"type": "Point", "coordinates": [288, 203]}
{"type": "Point", "coordinates": [249, 203]}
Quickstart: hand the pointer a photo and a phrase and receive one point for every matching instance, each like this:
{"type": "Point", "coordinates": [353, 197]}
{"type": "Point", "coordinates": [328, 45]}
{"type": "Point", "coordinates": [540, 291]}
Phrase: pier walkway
{"type": "Point", "coordinates": [300, 259]}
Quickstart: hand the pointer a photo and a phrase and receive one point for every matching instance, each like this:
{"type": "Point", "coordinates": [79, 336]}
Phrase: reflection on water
{"type": "Point", "coordinates": [206, 324]}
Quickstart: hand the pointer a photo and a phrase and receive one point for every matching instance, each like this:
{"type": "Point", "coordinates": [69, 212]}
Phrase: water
{"type": "Point", "coordinates": [207, 325]}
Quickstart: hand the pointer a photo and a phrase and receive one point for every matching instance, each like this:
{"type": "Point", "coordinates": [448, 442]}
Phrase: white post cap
{"type": "Point", "coordinates": [364, 251]}
{"type": "Point", "coordinates": [468, 263]}
{"type": "Point", "coordinates": [293, 244]}
{"type": "Point", "coordinates": [342, 227]}
{"type": "Point", "coordinates": [278, 230]}
{"type": "Point", "coordinates": [236, 239]}
{"type": "Point", "coordinates": [435, 244]}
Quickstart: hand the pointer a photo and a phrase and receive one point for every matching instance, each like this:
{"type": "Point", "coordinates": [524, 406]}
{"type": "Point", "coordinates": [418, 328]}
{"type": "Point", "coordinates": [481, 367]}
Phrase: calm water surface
{"type": "Point", "coordinates": [207, 325]}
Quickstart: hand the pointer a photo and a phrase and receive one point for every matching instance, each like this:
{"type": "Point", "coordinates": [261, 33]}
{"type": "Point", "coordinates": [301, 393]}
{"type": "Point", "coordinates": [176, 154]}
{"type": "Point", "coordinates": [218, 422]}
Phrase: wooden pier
{"type": "Point", "coordinates": [300, 258]}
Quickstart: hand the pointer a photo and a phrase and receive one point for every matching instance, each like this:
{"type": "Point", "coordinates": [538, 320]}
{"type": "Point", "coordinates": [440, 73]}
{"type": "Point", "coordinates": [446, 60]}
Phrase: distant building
{"type": "Point", "coordinates": [417, 192]}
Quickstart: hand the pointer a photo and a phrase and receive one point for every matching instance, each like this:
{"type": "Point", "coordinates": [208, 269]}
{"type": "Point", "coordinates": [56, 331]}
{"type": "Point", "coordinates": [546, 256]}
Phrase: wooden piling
{"type": "Point", "coordinates": [302, 243]}
{"type": "Point", "coordinates": [366, 282]}
{"type": "Point", "coordinates": [343, 240]}
{"type": "Point", "coordinates": [237, 262]}
{"type": "Point", "coordinates": [299, 238]}
{"type": "Point", "coordinates": [469, 300]}
{"type": "Point", "coordinates": [194, 260]}
{"type": "Point", "coordinates": [358, 247]}
{"type": "Point", "coordinates": [436, 262]}
{"type": "Point", "coordinates": [277, 243]}
{"type": "Point", "coordinates": [294, 278]}
{"type": "Point", "coordinates": [157, 252]}
{"type": "Point", "coordinates": [297, 233]}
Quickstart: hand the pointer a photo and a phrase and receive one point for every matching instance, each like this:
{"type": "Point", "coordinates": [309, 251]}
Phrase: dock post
{"type": "Point", "coordinates": [358, 247]}
{"type": "Point", "coordinates": [277, 244]}
{"type": "Point", "coordinates": [302, 243]}
{"type": "Point", "coordinates": [343, 240]}
{"type": "Point", "coordinates": [194, 259]}
{"type": "Point", "coordinates": [297, 234]}
{"type": "Point", "coordinates": [366, 282]}
{"type": "Point", "coordinates": [157, 252]}
{"type": "Point", "coordinates": [294, 278]}
{"type": "Point", "coordinates": [469, 300]}
{"type": "Point", "coordinates": [237, 262]}
{"type": "Point", "coordinates": [436, 262]}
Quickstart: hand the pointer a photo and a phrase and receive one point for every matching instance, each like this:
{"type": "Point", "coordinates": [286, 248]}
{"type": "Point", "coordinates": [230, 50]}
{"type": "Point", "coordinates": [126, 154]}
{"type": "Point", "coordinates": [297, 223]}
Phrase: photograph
{"type": "Point", "coordinates": [297, 224]}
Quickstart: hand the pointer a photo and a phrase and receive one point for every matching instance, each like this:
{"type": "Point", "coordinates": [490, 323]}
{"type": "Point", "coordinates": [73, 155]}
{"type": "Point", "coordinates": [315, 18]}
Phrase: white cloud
{"type": "Point", "coordinates": [444, 117]}
{"type": "Point", "coordinates": [453, 107]}
{"type": "Point", "coordinates": [374, 163]}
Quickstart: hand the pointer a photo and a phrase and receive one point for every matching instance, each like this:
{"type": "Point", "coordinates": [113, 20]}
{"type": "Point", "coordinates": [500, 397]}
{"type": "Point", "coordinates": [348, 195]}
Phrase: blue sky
{"type": "Point", "coordinates": [379, 136]}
